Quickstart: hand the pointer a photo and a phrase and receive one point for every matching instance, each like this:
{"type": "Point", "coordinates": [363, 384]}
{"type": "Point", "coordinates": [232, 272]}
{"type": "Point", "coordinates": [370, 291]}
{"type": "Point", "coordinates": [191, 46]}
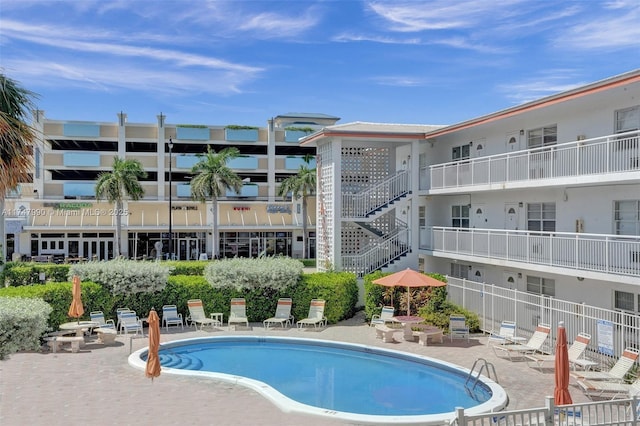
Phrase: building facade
{"type": "Point", "coordinates": [57, 215]}
{"type": "Point", "coordinates": [543, 197]}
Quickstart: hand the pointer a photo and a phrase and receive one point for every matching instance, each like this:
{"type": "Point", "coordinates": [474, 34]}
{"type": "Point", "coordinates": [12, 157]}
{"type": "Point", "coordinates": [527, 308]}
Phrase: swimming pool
{"type": "Point", "coordinates": [350, 382]}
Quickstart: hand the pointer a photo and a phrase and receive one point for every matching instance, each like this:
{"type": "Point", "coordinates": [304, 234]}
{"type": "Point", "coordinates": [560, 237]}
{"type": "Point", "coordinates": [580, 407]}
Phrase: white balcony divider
{"type": "Point", "coordinates": [376, 256]}
{"type": "Point", "coordinates": [608, 154]}
{"type": "Point", "coordinates": [614, 254]}
{"type": "Point", "coordinates": [362, 204]}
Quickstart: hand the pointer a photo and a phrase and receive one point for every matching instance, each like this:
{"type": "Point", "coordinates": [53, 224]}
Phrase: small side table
{"type": "Point", "coordinates": [218, 317]}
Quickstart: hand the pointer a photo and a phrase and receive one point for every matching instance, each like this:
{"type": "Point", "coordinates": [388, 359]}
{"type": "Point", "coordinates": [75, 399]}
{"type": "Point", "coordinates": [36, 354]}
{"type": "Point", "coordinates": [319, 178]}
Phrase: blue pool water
{"type": "Point", "coordinates": [354, 379]}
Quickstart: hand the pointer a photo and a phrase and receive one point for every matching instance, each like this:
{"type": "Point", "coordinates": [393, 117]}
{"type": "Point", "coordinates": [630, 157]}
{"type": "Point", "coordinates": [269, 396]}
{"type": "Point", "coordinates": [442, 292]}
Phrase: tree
{"type": "Point", "coordinates": [211, 180]}
{"type": "Point", "coordinates": [120, 182]}
{"type": "Point", "coordinates": [16, 140]}
{"type": "Point", "coordinates": [301, 185]}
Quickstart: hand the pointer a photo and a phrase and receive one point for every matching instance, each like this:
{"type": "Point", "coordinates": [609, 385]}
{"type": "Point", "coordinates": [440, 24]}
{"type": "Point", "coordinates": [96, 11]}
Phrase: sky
{"type": "Point", "coordinates": [242, 62]}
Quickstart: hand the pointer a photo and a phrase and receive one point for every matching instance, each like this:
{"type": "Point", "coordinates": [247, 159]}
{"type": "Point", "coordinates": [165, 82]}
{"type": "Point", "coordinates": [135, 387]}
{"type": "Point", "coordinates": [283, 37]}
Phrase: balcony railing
{"type": "Point", "coordinates": [362, 204]}
{"type": "Point", "coordinates": [608, 154]}
{"type": "Point", "coordinates": [613, 254]}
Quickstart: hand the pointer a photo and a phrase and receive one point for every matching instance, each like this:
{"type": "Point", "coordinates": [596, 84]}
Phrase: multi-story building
{"type": "Point", "coordinates": [542, 197]}
{"type": "Point", "coordinates": [57, 213]}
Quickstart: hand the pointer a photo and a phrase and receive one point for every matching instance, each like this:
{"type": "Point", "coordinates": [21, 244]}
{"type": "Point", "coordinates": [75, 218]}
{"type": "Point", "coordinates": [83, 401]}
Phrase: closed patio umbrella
{"type": "Point", "coordinates": [561, 393]}
{"type": "Point", "coordinates": [153, 360]}
{"type": "Point", "coordinates": [76, 309]}
{"type": "Point", "coordinates": [410, 279]}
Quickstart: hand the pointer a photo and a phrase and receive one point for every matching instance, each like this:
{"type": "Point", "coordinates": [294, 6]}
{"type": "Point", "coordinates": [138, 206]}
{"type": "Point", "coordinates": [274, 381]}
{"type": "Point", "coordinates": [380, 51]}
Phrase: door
{"type": "Point", "coordinates": [422, 226]}
{"type": "Point", "coordinates": [511, 216]}
{"type": "Point", "coordinates": [479, 216]}
{"type": "Point", "coordinates": [255, 247]}
{"type": "Point", "coordinates": [311, 248]}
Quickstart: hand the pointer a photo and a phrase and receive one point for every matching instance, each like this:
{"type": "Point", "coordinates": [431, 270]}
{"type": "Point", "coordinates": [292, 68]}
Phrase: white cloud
{"type": "Point", "coordinates": [545, 84]}
{"type": "Point", "coordinates": [399, 81]}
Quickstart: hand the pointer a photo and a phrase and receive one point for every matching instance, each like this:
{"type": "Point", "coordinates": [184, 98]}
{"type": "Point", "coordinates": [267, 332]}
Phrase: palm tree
{"type": "Point", "coordinates": [211, 180]}
{"type": "Point", "coordinates": [120, 182]}
{"type": "Point", "coordinates": [301, 185]}
{"type": "Point", "coordinates": [16, 139]}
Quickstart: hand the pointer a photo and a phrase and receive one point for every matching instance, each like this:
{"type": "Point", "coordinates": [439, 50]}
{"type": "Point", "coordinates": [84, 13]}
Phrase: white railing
{"type": "Point", "coordinates": [620, 412]}
{"type": "Point", "coordinates": [362, 204]}
{"type": "Point", "coordinates": [377, 255]}
{"type": "Point", "coordinates": [608, 154]}
{"type": "Point", "coordinates": [494, 304]}
{"type": "Point", "coordinates": [614, 254]}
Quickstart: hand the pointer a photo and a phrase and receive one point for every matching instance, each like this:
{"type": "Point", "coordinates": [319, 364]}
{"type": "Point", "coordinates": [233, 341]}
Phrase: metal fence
{"type": "Point", "coordinates": [612, 331]}
{"type": "Point", "coordinates": [619, 412]}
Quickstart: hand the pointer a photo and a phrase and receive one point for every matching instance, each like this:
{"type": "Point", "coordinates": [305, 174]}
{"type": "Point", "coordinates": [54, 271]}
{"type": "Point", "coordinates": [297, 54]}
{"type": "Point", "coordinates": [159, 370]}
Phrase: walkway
{"type": "Point", "coordinates": [97, 385]}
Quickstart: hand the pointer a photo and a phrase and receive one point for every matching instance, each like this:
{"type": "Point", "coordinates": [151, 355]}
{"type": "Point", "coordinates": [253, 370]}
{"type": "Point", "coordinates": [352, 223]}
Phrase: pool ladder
{"type": "Point", "coordinates": [486, 367]}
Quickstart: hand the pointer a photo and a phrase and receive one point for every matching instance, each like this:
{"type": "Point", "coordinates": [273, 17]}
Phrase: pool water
{"type": "Point", "coordinates": [335, 377]}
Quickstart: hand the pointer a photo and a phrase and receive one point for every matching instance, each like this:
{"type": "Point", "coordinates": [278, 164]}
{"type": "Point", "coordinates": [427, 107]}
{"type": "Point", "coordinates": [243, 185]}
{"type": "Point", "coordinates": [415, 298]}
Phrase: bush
{"type": "Point", "coordinates": [124, 277]}
{"type": "Point", "coordinates": [186, 267]}
{"type": "Point", "coordinates": [22, 323]}
{"type": "Point", "coordinates": [246, 274]}
{"type": "Point", "coordinates": [338, 289]}
{"type": "Point", "coordinates": [27, 273]}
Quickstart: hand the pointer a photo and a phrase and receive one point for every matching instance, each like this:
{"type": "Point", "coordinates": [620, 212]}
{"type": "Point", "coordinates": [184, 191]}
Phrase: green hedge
{"type": "Point", "coordinates": [340, 291]}
{"type": "Point", "coordinates": [26, 273]}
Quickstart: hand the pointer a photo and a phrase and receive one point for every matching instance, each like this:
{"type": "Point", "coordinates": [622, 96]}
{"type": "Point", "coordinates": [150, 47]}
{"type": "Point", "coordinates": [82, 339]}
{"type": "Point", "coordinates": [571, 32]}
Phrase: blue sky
{"type": "Point", "coordinates": [241, 62]}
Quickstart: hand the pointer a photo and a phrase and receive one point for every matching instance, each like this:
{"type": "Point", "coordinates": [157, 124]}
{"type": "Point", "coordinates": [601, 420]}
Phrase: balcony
{"type": "Point", "coordinates": [605, 159]}
{"type": "Point", "coordinates": [570, 253]}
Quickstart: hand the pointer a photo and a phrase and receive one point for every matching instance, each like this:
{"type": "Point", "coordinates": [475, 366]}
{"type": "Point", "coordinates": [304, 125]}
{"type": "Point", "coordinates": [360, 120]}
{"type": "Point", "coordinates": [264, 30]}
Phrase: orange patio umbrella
{"type": "Point", "coordinates": [561, 393]}
{"type": "Point", "coordinates": [153, 360]}
{"type": "Point", "coordinates": [410, 279]}
{"type": "Point", "coordinates": [76, 309]}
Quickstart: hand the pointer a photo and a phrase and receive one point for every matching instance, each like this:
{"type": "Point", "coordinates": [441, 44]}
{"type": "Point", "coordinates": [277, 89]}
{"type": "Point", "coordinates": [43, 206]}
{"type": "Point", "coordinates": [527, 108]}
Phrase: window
{"type": "Point", "coordinates": [541, 217]}
{"type": "Point", "coordinates": [627, 217]}
{"type": "Point", "coordinates": [628, 119]}
{"type": "Point", "coordinates": [460, 270]}
{"type": "Point", "coordinates": [538, 285]}
{"type": "Point", "coordinates": [623, 301]}
{"type": "Point", "coordinates": [461, 152]}
{"type": "Point", "coordinates": [460, 216]}
{"type": "Point", "coordinates": [542, 136]}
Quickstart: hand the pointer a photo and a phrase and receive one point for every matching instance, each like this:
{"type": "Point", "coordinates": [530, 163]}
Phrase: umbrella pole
{"type": "Point", "coordinates": [408, 302]}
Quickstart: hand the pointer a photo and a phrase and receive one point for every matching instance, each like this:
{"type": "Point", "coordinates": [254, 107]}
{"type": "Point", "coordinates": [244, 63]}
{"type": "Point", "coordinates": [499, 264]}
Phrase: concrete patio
{"type": "Point", "coordinates": [96, 385]}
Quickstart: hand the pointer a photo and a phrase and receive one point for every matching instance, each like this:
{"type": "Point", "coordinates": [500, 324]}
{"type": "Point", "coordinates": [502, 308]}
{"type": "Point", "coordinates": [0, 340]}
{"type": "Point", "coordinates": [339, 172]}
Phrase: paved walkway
{"type": "Point", "coordinates": [97, 385]}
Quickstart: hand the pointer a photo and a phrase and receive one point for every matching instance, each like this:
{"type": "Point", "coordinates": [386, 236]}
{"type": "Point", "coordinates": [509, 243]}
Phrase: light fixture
{"type": "Point", "coordinates": [170, 197]}
{"type": "Point", "coordinates": [580, 278]}
{"type": "Point", "coordinates": [522, 132]}
{"type": "Point", "coordinates": [519, 274]}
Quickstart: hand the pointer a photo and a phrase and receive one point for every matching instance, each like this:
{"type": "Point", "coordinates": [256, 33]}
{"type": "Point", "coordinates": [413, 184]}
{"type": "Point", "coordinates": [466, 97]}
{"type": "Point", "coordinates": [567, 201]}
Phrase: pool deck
{"type": "Point", "coordinates": [97, 385]}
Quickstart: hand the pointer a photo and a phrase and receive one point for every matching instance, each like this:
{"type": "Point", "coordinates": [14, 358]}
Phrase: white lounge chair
{"type": "Point", "coordinates": [98, 317]}
{"type": "Point", "coordinates": [386, 315]}
{"type": "Point", "coordinates": [238, 314]}
{"type": "Point", "coordinates": [458, 328]}
{"type": "Point", "coordinates": [283, 314]}
{"type": "Point", "coordinates": [576, 350]}
{"type": "Point", "coordinates": [197, 315]}
{"type": "Point", "coordinates": [517, 350]}
{"type": "Point", "coordinates": [504, 335]}
{"type": "Point", "coordinates": [616, 373]}
{"type": "Point", "coordinates": [603, 389]}
{"type": "Point", "coordinates": [129, 322]}
{"type": "Point", "coordinates": [316, 315]}
{"type": "Point", "coordinates": [171, 316]}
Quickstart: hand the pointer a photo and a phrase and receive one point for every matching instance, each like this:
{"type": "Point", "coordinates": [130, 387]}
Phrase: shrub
{"type": "Point", "coordinates": [246, 274]}
{"type": "Point", "coordinates": [338, 289]}
{"type": "Point", "coordinates": [22, 323]}
{"type": "Point", "coordinates": [26, 273]}
{"type": "Point", "coordinates": [186, 267]}
{"type": "Point", "coordinates": [124, 277]}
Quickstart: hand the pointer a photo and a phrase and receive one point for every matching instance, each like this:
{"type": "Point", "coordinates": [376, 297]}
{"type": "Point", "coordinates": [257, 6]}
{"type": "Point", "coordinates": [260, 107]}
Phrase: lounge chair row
{"type": "Point", "coordinates": [238, 314]}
